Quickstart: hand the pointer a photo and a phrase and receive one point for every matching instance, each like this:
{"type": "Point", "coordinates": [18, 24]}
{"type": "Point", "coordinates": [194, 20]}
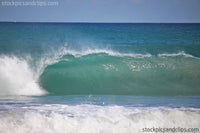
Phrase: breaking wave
{"type": "Point", "coordinates": [99, 71]}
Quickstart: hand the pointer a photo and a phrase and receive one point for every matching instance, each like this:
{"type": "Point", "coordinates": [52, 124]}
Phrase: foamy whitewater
{"type": "Point", "coordinates": [91, 118]}
{"type": "Point", "coordinates": [98, 78]}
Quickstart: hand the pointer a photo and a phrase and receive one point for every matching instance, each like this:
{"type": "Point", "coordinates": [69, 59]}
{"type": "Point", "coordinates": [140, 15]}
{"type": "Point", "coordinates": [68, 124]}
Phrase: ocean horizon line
{"type": "Point", "coordinates": [103, 22]}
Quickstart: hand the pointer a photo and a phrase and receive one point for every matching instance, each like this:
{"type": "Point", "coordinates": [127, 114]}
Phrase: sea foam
{"type": "Point", "coordinates": [96, 119]}
{"type": "Point", "coordinates": [182, 53]}
{"type": "Point", "coordinates": [110, 52]}
{"type": "Point", "coordinates": [17, 78]}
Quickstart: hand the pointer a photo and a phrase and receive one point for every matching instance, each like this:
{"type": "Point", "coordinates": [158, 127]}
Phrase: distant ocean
{"type": "Point", "coordinates": [99, 77]}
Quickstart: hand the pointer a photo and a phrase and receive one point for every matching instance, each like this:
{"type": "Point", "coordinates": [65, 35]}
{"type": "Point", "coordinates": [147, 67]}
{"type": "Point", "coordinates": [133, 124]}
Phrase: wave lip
{"type": "Point", "coordinates": [64, 51]}
{"type": "Point", "coordinates": [75, 53]}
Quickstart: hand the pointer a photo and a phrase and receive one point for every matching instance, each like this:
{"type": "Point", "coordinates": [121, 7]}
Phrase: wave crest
{"type": "Point", "coordinates": [182, 53]}
{"type": "Point", "coordinates": [64, 51]}
{"type": "Point", "coordinates": [75, 53]}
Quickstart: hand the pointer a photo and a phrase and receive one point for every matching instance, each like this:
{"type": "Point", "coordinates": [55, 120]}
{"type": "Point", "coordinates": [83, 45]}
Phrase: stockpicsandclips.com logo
{"type": "Point", "coordinates": [29, 3]}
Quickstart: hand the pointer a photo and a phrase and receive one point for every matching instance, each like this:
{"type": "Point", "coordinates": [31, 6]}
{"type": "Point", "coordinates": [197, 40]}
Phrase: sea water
{"type": "Point", "coordinates": [98, 77]}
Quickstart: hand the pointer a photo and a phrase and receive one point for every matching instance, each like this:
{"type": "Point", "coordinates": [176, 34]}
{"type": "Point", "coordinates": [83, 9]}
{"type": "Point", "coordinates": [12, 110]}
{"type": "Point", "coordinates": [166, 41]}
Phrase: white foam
{"type": "Point", "coordinates": [84, 52]}
{"type": "Point", "coordinates": [17, 78]}
{"type": "Point", "coordinates": [99, 51]}
{"type": "Point", "coordinates": [96, 119]}
{"type": "Point", "coordinates": [182, 53]}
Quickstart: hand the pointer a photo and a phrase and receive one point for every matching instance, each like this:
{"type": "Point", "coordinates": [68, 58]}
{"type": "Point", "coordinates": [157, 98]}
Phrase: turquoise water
{"type": "Point", "coordinates": [98, 77]}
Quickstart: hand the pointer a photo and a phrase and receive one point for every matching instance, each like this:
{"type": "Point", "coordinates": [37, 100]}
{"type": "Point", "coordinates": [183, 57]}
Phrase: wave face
{"type": "Point", "coordinates": [107, 59]}
{"type": "Point", "coordinates": [121, 74]}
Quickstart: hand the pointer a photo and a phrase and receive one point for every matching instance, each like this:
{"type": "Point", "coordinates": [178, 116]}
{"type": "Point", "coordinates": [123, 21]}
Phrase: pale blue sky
{"type": "Point", "coordinates": [105, 11]}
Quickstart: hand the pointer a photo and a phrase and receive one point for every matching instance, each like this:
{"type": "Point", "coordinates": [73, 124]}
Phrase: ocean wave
{"type": "Point", "coordinates": [22, 76]}
{"type": "Point", "coordinates": [99, 71]}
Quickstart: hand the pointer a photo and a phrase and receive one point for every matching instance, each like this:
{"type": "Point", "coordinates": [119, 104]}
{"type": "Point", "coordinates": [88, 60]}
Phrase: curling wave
{"type": "Point", "coordinates": [108, 72]}
{"type": "Point", "coordinates": [100, 71]}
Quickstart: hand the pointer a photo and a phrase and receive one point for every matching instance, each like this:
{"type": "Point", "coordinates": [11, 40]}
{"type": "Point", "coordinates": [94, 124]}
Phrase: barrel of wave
{"type": "Point", "coordinates": [123, 75]}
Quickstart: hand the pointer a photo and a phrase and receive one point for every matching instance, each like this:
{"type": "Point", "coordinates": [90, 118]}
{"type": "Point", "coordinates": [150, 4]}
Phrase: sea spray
{"type": "Point", "coordinates": [17, 78]}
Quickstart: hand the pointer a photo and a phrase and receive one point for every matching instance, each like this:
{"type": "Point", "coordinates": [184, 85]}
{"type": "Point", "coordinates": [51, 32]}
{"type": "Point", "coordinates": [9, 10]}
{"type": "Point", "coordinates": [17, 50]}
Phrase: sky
{"type": "Point", "coordinates": [128, 11]}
